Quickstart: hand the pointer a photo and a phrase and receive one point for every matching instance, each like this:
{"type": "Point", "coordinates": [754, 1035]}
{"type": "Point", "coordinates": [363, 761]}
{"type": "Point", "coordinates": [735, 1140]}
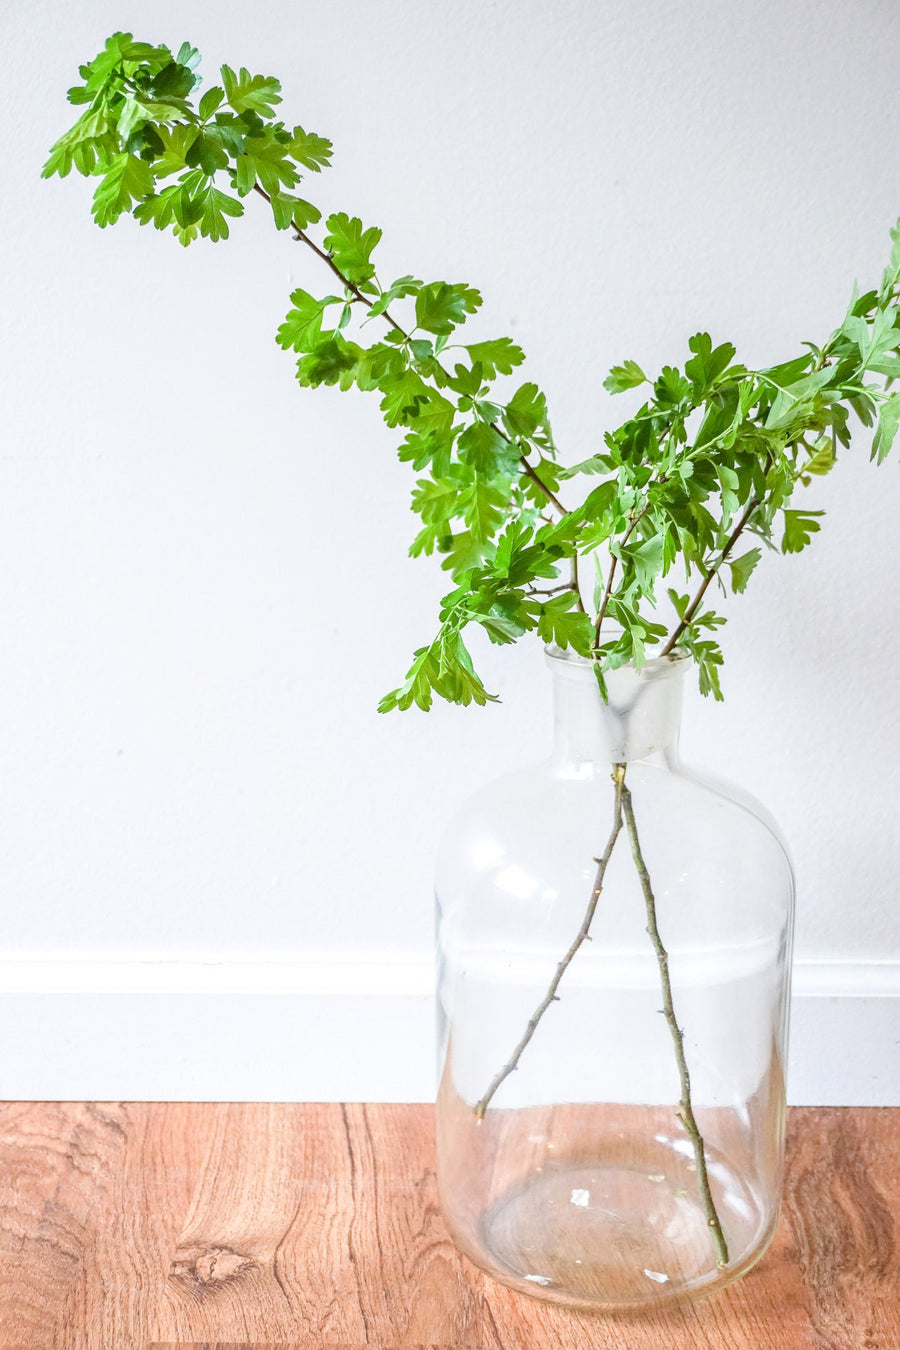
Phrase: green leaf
{"type": "Point", "coordinates": [680, 603]}
{"type": "Point", "coordinates": [503, 628]}
{"type": "Point", "coordinates": [789, 372]}
{"type": "Point", "coordinates": [418, 687]}
{"type": "Point", "coordinates": [140, 111]}
{"type": "Point", "coordinates": [722, 416]}
{"type": "Point", "coordinates": [90, 139]}
{"type": "Point", "coordinates": [729, 484]}
{"type": "Point", "coordinates": [251, 93]}
{"type": "Point", "coordinates": [671, 389]}
{"type": "Point", "coordinates": [126, 179]}
{"type": "Point", "coordinates": [458, 682]}
{"type": "Point", "coordinates": [176, 142]}
{"type": "Point", "coordinates": [638, 632]}
{"type": "Point", "coordinates": [160, 209]}
{"type": "Point", "coordinates": [821, 461]}
{"type": "Point", "coordinates": [292, 212]}
{"type": "Point", "coordinates": [892, 271]}
{"type": "Point", "coordinates": [200, 207]}
{"type": "Point", "coordinates": [211, 102]}
{"type": "Point", "coordinates": [433, 415]}
{"type": "Point", "coordinates": [265, 161]}
{"type": "Point", "coordinates": [626, 376]}
{"type": "Point", "coordinates": [175, 80]}
{"type": "Point", "coordinates": [421, 449]}
{"type": "Point", "coordinates": [598, 514]}
{"type": "Point", "coordinates": [377, 364]}
{"type": "Point", "coordinates": [333, 360]}
{"type": "Point", "coordinates": [445, 668]}
{"type": "Point", "coordinates": [708, 364]}
{"type": "Point", "coordinates": [351, 246]}
{"type": "Point", "coordinates": [596, 464]}
{"type": "Point", "coordinates": [398, 290]}
{"type": "Point", "coordinates": [799, 527]}
{"type": "Point", "coordinates": [302, 326]}
{"type": "Point", "coordinates": [795, 398]}
{"type": "Point", "coordinates": [312, 151]}
{"type": "Point", "coordinates": [560, 623]}
{"type": "Point", "coordinates": [647, 560]}
{"type": "Point", "coordinates": [206, 152]}
{"type": "Point", "coordinates": [462, 551]}
{"type": "Point", "coordinates": [466, 382]}
{"type": "Point", "coordinates": [187, 55]}
{"type": "Point", "coordinates": [441, 307]}
{"type": "Point", "coordinates": [886, 430]}
{"type": "Point", "coordinates": [486, 450]}
{"type": "Point", "coordinates": [437, 501]}
{"type": "Point", "coordinates": [497, 356]}
{"type": "Point", "coordinates": [427, 540]}
{"type": "Point", "coordinates": [708, 656]}
{"type": "Point", "coordinates": [519, 560]}
{"type": "Point", "coordinates": [403, 392]}
{"type": "Point", "coordinates": [742, 568]}
{"type": "Point", "coordinates": [483, 508]}
{"type": "Point", "coordinates": [526, 412]}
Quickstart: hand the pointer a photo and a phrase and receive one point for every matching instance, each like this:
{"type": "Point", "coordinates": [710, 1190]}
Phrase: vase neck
{"type": "Point", "coordinates": [641, 719]}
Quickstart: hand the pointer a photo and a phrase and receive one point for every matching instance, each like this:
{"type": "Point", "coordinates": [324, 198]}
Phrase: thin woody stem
{"type": "Point", "coordinates": [601, 612]}
{"type": "Point", "coordinates": [686, 1114]}
{"type": "Point", "coordinates": [303, 238]}
{"type": "Point", "coordinates": [695, 603]}
{"type": "Point", "coordinates": [550, 590]}
{"type": "Point", "coordinates": [583, 935]}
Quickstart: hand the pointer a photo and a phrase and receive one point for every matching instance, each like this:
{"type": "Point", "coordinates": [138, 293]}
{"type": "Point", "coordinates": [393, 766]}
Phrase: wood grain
{"type": "Point", "coordinates": [278, 1227]}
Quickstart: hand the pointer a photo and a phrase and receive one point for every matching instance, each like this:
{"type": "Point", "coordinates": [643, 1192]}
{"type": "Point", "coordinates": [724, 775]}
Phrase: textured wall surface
{"type": "Point", "coordinates": [203, 572]}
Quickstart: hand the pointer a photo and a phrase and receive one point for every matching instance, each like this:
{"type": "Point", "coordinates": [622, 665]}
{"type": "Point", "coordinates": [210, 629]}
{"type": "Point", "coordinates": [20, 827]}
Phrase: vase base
{"type": "Point", "coordinates": [603, 1235]}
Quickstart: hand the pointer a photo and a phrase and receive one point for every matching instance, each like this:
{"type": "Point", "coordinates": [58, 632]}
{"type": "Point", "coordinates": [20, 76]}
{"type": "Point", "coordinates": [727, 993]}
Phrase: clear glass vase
{"type": "Point", "coordinates": [614, 940]}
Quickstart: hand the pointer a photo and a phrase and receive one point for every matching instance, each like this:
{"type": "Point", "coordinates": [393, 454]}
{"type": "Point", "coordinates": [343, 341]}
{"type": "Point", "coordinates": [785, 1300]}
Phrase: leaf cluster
{"type": "Point", "coordinates": [157, 154]}
{"type": "Point", "coordinates": [713, 454]}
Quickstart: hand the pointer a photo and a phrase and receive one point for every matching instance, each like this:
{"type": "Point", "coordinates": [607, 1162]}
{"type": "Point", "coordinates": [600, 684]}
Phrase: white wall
{"type": "Point", "coordinates": [203, 569]}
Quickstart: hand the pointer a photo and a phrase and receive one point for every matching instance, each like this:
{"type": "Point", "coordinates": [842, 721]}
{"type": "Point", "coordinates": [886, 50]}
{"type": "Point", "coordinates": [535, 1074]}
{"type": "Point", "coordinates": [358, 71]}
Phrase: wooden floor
{"type": "Point", "coordinates": [149, 1227]}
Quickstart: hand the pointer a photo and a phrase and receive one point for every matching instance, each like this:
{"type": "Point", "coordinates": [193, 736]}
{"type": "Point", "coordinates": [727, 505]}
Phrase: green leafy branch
{"type": "Point", "coordinates": [713, 454]}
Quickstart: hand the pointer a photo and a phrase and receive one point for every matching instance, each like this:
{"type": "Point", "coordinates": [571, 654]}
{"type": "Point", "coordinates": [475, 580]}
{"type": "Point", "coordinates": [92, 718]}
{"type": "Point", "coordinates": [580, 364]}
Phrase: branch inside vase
{"type": "Point", "coordinates": [623, 813]}
{"type": "Point", "coordinates": [686, 1114]}
{"type": "Point", "coordinates": [582, 936]}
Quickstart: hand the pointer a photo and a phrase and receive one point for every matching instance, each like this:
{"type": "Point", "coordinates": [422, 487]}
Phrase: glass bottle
{"type": "Point", "coordinates": [614, 939]}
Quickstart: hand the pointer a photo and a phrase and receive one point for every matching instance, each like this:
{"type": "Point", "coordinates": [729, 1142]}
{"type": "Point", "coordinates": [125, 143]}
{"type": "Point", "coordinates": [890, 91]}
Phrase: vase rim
{"type": "Point", "coordinates": [655, 667]}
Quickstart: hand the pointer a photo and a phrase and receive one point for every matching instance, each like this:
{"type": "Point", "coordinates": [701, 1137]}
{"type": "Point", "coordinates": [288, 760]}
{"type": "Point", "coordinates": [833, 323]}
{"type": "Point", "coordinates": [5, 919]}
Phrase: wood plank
{"type": "Point", "coordinates": [280, 1227]}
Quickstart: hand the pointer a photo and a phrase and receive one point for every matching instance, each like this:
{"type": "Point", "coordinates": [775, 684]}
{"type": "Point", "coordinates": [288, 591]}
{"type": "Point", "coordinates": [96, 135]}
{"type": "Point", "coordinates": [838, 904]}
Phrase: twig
{"type": "Point", "coordinates": [303, 238]}
{"type": "Point", "coordinates": [582, 936]}
{"type": "Point", "coordinates": [686, 1115]}
{"type": "Point", "coordinates": [601, 612]}
{"type": "Point", "coordinates": [552, 590]}
{"type": "Point", "coordinates": [713, 571]}
{"type": "Point", "coordinates": [576, 585]}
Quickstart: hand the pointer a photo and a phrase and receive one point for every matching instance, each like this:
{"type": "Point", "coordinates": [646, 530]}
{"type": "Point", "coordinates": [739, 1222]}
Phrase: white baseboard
{"type": "Point", "coordinates": [330, 1029]}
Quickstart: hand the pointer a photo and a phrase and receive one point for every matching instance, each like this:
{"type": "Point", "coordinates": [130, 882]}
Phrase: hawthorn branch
{"type": "Point", "coordinates": [582, 936]}
{"type": "Point", "coordinates": [303, 238]}
{"type": "Point", "coordinates": [686, 1114]}
{"type": "Point", "coordinates": [713, 571]}
{"type": "Point", "coordinates": [601, 612]}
